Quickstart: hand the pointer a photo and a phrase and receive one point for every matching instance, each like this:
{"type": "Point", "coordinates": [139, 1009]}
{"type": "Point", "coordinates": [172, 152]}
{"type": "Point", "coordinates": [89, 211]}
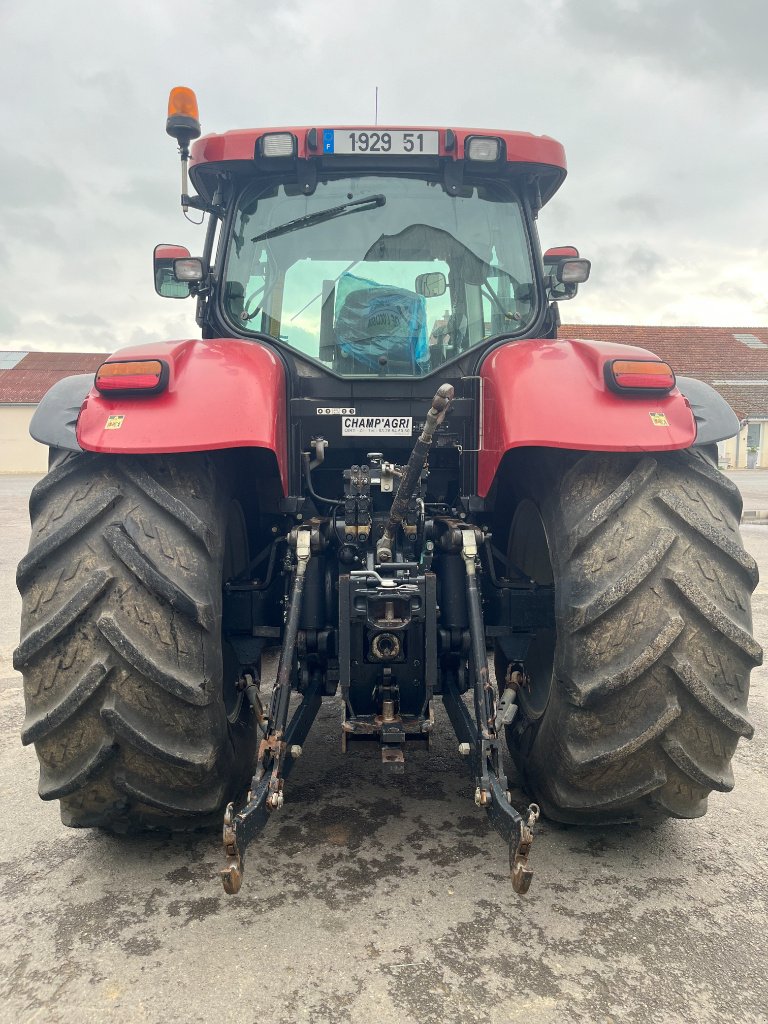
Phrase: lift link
{"type": "Point", "coordinates": [266, 792]}
{"type": "Point", "coordinates": [272, 747]}
{"type": "Point", "coordinates": [487, 747]}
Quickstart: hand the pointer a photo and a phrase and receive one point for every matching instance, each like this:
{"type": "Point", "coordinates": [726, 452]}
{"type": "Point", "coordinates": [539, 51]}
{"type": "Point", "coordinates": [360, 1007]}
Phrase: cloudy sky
{"type": "Point", "coordinates": [662, 106]}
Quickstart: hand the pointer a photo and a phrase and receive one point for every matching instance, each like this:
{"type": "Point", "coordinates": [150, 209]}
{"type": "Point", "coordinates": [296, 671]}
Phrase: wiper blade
{"type": "Point", "coordinates": [355, 206]}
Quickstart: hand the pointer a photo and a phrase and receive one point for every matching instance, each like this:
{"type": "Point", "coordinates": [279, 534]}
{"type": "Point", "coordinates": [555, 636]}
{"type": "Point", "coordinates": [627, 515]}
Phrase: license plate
{"type": "Point", "coordinates": [378, 141]}
{"type": "Point", "coordinates": [376, 426]}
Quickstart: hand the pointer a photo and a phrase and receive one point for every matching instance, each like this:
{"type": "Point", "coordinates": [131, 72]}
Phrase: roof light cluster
{"type": "Point", "coordinates": [483, 149]}
{"type": "Point", "coordinates": [278, 144]}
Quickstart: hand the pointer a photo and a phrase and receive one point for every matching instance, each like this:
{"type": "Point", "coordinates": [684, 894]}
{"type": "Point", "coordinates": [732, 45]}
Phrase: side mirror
{"type": "Point", "coordinates": [175, 271]}
{"type": "Point", "coordinates": [431, 285]}
{"type": "Point", "coordinates": [564, 271]}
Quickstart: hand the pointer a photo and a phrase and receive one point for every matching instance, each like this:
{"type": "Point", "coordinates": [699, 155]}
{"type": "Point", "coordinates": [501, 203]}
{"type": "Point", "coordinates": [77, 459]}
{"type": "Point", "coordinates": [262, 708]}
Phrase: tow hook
{"type": "Point", "coordinates": [232, 875]}
{"type": "Point", "coordinates": [518, 862]}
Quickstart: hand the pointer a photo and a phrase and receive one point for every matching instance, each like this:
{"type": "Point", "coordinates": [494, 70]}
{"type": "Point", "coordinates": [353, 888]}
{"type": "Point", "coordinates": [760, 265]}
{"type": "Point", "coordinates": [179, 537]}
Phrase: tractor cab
{"type": "Point", "coordinates": [371, 252]}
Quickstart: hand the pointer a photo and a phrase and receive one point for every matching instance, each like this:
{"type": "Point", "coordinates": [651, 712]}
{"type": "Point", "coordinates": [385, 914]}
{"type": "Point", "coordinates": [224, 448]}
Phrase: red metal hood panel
{"type": "Point", "coordinates": [222, 393]}
{"type": "Point", "coordinates": [553, 394]}
{"type": "Point", "coordinates": [240, 144]}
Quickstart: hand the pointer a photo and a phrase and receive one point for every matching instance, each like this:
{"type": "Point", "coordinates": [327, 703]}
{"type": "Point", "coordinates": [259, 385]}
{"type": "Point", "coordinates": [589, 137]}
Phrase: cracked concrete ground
{"type": "Point", "coordinates": [380, 899]}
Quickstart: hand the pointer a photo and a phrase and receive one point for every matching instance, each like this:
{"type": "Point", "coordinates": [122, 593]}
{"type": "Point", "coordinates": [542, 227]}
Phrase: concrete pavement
{"type": "Point", "coordinates": [380, 899]}
{"type": "Point", "coordinates": [753, 484]}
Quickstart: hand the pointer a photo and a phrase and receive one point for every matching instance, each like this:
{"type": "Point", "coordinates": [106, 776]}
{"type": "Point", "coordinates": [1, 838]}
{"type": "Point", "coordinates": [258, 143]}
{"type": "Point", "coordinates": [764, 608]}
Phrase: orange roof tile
{"type": "Point", "coordinates": [712, 354]}
{"type": "Point", "coordinates": [32, 376]}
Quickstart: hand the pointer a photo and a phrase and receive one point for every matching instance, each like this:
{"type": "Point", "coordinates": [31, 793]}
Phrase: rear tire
{"type": "Point", "coordinates": [121, 648]}
{"type": "Point", "coordinates": [644, 700]}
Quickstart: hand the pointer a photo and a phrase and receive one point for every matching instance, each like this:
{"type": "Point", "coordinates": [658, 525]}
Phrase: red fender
{"type": "Point", "coordinates": [221, 393]}
{"type": "Point", "coordinates": [553, 394]}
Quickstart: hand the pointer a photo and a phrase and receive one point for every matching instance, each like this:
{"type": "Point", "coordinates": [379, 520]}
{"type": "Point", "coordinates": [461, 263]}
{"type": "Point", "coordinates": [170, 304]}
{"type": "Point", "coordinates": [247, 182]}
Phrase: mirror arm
{"type": "Point", "coordinates": [554, 311]}
{"type": "Point", "coordinates": [197, 203]}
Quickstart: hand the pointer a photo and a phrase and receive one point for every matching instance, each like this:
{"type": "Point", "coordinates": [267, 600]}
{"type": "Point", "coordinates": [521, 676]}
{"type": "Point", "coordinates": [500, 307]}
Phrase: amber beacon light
{"type": "Point", "coordinates": [183, 124]}
{"type": "Point", "coordinates": [183, 117]}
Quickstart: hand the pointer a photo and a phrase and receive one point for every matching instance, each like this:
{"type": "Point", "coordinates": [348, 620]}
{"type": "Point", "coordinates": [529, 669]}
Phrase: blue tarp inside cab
{"type": "Point", "coordinates": [375, 321]}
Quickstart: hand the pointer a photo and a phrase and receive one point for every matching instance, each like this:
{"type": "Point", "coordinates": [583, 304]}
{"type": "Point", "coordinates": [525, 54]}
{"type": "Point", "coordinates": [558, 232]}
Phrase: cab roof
{"type": "Point", "coordinates": [538, 155]}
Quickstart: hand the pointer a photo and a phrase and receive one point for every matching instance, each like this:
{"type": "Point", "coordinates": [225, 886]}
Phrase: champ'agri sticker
{"type": "Point", "coordinates": [376, 426]}
{"type": "Point", "coordinates": [658, 419]}
{"type": "Point", "coordinates": [114, 422]}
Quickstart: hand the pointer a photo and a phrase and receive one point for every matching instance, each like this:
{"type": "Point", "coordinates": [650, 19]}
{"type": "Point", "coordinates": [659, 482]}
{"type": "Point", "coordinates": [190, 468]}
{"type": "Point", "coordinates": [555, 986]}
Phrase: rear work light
{"type": "Point", "coordinates": [624, 375]}
{"type": "Point", "coordinates": [188, 269]}
{"type": "Point", "coordinates": [277, 144]}
{"type": "Point", "coordinates": [573, 271]}
{"type": "Point", "coordinates": [146, 376]}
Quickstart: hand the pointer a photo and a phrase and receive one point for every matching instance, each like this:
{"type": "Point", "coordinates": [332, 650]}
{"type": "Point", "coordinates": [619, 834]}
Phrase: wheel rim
{"type": "Point", "coordinates": [528, 550]}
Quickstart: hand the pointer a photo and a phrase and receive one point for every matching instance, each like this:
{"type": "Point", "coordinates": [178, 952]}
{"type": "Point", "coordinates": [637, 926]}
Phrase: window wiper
{"type": "Point", "coordinates": [356, 206]}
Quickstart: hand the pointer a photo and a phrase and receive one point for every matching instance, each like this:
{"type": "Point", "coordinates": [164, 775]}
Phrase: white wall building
{"type": "Point", "coordinates": [24, 379]}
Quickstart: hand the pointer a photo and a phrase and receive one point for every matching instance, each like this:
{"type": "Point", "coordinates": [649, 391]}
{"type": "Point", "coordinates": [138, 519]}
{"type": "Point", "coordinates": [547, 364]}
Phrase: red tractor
{"type": "Point", "coordinates": [381, 461]}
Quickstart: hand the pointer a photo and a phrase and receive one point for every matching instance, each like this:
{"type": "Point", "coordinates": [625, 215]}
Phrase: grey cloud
{"type": "Point", "coordinates": [32, 184]}
{"type": "Point", "coordinates": [32, 228]}
{"type": "Point", "coordinates": [9, 322]}
{"type": "Point", "coordinates": [82, 320]}
{"type": "Point", "coordinates": [150, 195]}
{"type": "Point", "coordinates": [616, 266]}
{"type": "Point", "coordinates": [141, 336]}
{"type": "Point", "coordinates": [729, 290]}
{"type": "Point", "coordinates": [705, 39]}
{"type": "Point", "coordinates": [644, 262]}
{"type": "Point", "coordinates": [640, 205]}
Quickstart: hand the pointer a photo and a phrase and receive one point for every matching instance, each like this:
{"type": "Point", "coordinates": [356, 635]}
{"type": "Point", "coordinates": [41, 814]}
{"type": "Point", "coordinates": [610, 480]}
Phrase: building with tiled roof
{"type": "Point", "coordinates": [26, 376]}
{"type": "Point", "coordinates": [734, 360]}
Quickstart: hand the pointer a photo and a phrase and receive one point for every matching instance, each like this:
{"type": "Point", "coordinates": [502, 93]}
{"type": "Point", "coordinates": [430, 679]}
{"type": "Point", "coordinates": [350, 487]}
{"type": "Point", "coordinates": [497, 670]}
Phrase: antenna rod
{"type": "Point", "coordinates": [376, 111]}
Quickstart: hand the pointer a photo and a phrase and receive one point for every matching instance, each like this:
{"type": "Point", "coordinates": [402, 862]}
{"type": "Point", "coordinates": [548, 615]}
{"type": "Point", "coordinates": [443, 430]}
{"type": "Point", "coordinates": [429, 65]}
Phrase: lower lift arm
{"type": "Point", "coordinates": [480, 736]}
{"type": "Point", "coordinates": [272, 766]}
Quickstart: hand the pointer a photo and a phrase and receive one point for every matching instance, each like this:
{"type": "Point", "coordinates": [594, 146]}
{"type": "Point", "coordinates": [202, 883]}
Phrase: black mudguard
{"type": "Point", "coordinates": [715, 419]}
{"type": "Point", "coordinates": [55, 420]}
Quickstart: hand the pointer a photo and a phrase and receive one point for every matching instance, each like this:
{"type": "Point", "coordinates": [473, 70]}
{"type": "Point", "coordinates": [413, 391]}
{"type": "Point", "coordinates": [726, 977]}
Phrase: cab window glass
{"type": "Point", "coordinates": [377, 275]}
